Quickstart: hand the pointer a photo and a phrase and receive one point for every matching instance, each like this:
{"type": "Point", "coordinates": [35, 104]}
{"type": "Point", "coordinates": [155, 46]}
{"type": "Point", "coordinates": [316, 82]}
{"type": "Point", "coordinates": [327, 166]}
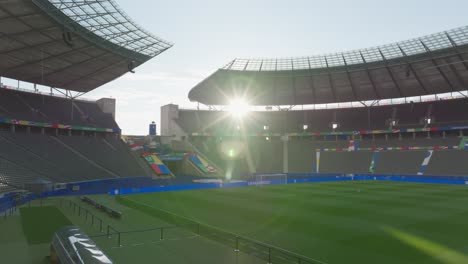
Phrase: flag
{"type": "Point", "coordinates": [373, 164]}
{"type": "Point", "coordinates": [317, 162]}
{"type": "Point", "coordinates": [463, 143]}
{"type": "Point", "coordinates": [135, 147]}
{"type": "Point", "coordinates": [425, 162]}
{"type": "Point", "coordinates": [353, 145]}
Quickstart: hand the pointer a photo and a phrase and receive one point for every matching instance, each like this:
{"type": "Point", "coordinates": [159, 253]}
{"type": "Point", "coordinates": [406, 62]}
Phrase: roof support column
{"type": "Point", "coordinates": [410, 66]}
{"type": "Point", "coordinates": [330, 79]}
{"type": "Point", "coordinates": [454, 44]}
{"type": "Point", "coordinates": [311, 82]}
{"type": "Point", "coordinates": [437, 66]}
{"type": "Point", "coordinates": [369, 75]}
{"type": "Point", "coordinates": [391, 73]}
{"type": "Point", "coordinates": [353, 89]}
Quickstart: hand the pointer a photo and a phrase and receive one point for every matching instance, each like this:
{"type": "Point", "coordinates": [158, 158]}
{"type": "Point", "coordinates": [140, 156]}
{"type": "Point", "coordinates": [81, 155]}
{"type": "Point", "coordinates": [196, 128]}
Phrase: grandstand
{"type": "Point", "coordinates": [405, 97]}
{"type": "Point", "coordinates": [72, 47]}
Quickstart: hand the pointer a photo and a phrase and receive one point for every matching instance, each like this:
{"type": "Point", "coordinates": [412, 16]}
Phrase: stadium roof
{"type": "Point", "coordinates": [76, 45]}
{"type": "Point", "coordinates": [432, 64]}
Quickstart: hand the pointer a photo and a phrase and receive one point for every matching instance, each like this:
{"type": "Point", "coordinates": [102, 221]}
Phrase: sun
{"type": "Point", "coordinates": [238, 108]}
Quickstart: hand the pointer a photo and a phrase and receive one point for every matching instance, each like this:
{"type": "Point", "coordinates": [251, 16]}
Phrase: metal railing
{"type": "Point", "coordinates": [264, 251]}
{"type": "Point", "coordinates": [89, 217]}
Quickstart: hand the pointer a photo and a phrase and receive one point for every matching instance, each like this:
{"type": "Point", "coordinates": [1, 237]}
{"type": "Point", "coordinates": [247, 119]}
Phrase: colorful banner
{"type": "Point", "coordinates": [348, 133]}
{"type": "Point", "coordinates": [59, 126]}
{"type": "Point", "coordinates": [390, 148]}
{"type": "Point", "coordinates": [425, 162]}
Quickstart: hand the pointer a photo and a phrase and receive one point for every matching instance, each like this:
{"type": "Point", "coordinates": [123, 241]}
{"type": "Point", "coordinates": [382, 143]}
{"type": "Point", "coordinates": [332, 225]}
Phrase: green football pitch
{"type": "Point", "coordinates": [341, 222]}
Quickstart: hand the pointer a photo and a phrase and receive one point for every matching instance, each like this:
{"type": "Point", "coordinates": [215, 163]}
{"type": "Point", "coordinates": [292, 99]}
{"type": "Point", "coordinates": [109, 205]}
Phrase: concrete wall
{"type": "Point", "coordinates": [107, 105]}
{"type": "Point", "coordinates": [170, 129]}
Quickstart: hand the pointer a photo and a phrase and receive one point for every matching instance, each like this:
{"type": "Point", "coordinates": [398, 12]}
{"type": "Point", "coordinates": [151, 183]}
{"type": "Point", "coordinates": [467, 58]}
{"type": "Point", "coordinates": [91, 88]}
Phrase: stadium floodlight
{"type": "Point", "coordinates": [428, 120]}
{"type": "Point", "coordinates": [305, 127]}
{"type": "Point", "coordinates": [267, 138]}
{"type": "Point", "coordinates": [334, 126]}
{"type": "Point", "coordinates": [238, 108]}
{"type": "Point", "coordinates": [265, 127]}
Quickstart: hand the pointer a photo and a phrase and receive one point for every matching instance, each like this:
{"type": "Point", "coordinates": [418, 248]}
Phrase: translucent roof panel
{"type": "Point", "coordinates": [415, 46]}
{"type": "Point", "coordinates": [459, 35]}
{"type": "Point", "coordinates": [105, 19]}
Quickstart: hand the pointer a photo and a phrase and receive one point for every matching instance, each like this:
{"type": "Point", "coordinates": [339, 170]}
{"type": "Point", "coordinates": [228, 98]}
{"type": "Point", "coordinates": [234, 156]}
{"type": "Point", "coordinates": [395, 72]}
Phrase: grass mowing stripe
{"type": "Point", "coordinates": [332, 221]}
{"type": "Point", "coordinates": [203, 229]}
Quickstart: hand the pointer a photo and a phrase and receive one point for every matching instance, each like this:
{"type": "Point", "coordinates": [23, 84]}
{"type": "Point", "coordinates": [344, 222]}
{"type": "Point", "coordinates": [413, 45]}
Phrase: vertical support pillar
{"type": "Point", "coordinates": [12, 128]}
{"type": "Point", "coordinates": [71, 111]}
{"type": "Point", "coordinates": [285, 140]}
{"type": "Point", "coordinates": [248, 156]}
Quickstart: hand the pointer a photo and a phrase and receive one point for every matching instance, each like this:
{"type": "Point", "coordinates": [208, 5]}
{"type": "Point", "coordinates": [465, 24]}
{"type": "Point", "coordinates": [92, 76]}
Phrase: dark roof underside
{"type": "Point", "coordinates": [72, 45]}
{"type": "Point", "coordinates": [430, 65]}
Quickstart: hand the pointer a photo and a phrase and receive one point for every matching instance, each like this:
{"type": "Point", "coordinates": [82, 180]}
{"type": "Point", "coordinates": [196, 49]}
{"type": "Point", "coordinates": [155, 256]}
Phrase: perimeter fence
{"type": "Point", "coordinates": [249, 246]}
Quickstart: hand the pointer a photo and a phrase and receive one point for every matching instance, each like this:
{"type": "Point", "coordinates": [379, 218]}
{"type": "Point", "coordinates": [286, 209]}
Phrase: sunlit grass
{"type": "Point", "coordinates": [435, 250]}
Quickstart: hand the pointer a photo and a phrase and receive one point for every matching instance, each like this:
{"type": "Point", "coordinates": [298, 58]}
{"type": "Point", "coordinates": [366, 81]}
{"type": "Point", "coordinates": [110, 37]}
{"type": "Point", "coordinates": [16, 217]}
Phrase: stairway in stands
{"type": "Point", "coordinates": [156, 164]}
{"type": "Point", "coordinates": [201, 164]}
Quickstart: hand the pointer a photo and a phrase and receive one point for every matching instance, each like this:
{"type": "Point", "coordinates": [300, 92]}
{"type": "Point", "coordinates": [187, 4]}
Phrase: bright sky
{"type": "Point", "coordinates": [209, 33]}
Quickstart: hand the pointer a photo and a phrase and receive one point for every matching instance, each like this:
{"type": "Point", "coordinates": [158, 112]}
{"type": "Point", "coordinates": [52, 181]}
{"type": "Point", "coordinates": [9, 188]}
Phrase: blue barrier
{"type": "Point", "coordinates": [302, 178]}
{"type": "Point", "coordinates": [136, 185]}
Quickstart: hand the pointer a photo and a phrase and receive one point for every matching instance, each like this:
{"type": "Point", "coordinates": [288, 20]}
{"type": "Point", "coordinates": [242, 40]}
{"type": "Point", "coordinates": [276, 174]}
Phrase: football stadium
{"type": "Point", "coordinates": [359, 156]}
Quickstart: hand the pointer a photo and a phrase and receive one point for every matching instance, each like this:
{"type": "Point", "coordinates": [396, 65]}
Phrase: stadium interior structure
{"type": "Point", "coordinates": [401, 99]}
{"type": "Point", "coordinates": [397, 110]}
{"type": "Point", "coordinates": [72, 47]}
